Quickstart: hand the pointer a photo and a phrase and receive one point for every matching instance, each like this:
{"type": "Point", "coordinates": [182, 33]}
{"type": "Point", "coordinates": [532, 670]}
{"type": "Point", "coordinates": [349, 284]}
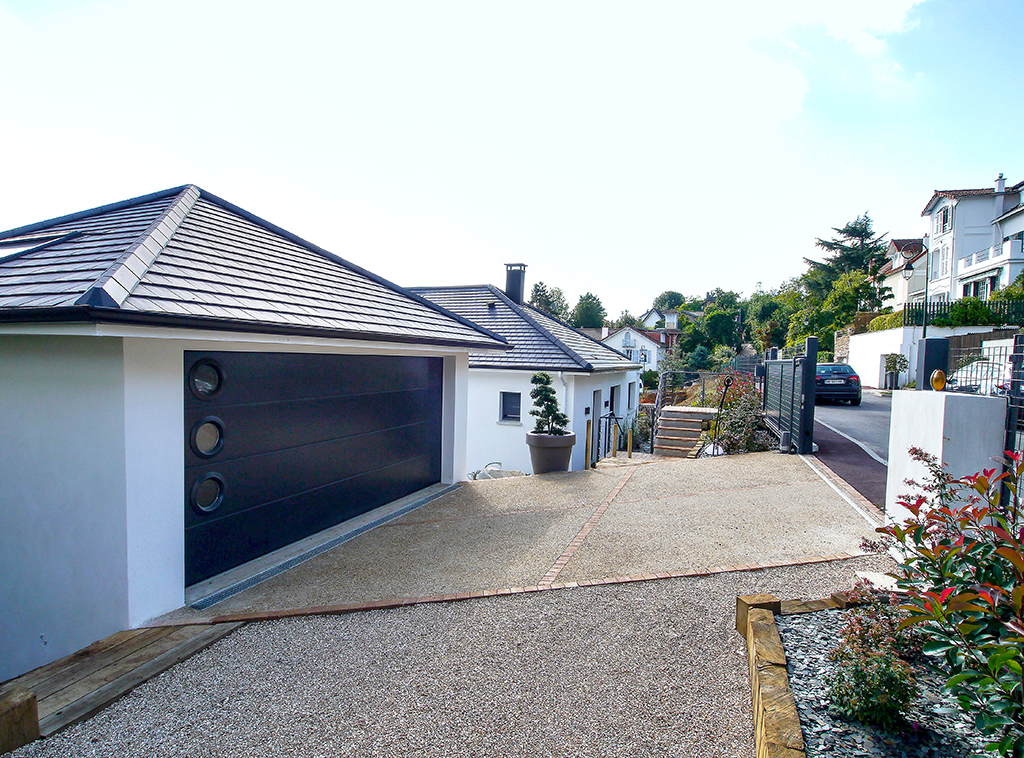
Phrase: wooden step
{"type": "Point", "coordinates": [679, 423]}
{"type": "Point", "coordinates": [83, 683]}
{"type": "Point", "coordinates": [676, 451]}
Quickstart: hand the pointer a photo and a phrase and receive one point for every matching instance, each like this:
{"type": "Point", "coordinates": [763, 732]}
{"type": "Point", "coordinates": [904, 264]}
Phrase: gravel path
{"type": "Point", "coordinates": [644, 669]}
{"type": "Point", "coordinates": [941, 730]}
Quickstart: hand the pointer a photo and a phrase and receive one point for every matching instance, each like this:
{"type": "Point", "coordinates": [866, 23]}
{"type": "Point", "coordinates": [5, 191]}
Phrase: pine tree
{"type": "Point", "coordinates": [549, 419]}
{"type": "Point", "coordinates": [589, 313]}
{"type": "Point", "coordinates": [549, 300]}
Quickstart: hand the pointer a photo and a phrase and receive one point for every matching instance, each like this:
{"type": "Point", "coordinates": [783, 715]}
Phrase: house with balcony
{"type": "Point", "coordinates": [637, 345]}
{"type": "Point", "coordinates": [968, 255]}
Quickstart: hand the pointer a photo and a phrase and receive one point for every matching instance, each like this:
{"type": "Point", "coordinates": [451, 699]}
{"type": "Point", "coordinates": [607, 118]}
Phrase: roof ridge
{"type": "Point", "coordinates": [584, 334]}
{"type": "Point", "coordinates": [521, 311]}
{"type": "Point", "coordinates": [100, 209]}
{"type": "Point", "coordinates": [114, 285]}
{"type": "Point", "coordinates": [291, 237]}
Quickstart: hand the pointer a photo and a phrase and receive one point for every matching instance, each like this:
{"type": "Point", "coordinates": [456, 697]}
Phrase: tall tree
{"type": "Point", "coordinates": [855, 248]}
{"type": "Point", "coordinates": [626, 319]}
{"type": "Point", "coordinates": [551, 300]}
{"type": "Point", "coordinates": [589, 313]}
{"type": "Point", "coordinates": [668, 300]}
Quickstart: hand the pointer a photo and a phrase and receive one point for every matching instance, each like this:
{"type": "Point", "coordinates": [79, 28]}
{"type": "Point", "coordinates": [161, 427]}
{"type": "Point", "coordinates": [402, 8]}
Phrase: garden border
{"type": "Point", "coordinates": [777, 730]}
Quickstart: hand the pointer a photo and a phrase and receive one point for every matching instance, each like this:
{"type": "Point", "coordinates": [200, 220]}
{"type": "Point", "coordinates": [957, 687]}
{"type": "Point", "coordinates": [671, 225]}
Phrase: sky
{"type": "Point", "coordinates": [621, 149]}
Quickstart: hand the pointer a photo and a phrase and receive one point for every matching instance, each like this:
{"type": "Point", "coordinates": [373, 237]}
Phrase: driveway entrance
{"type": "Point", "coordinates": [670, 518]}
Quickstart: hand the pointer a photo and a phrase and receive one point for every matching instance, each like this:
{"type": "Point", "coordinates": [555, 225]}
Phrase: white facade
{"type": "Point", "coordinates": [91, 511]}
{"type": "Point", "coordinates": [492, 439]}
{"type": "Point", "coordinates": [972, 252]}
{"type": "Point", "coordinates": [636, 346]}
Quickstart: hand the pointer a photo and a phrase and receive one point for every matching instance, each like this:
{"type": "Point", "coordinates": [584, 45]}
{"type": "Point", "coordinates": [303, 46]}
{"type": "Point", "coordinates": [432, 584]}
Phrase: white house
{"type": "Point", "coordinates": [969, 253]}
{"type": "Point", "coordinates": [903, 290]}
{"type": "Point", "coordinates": [184, 388]}
{"type": "Point", "coordinates": [636, 346]}
{"type": "Point", "coordinates": [592, 379]}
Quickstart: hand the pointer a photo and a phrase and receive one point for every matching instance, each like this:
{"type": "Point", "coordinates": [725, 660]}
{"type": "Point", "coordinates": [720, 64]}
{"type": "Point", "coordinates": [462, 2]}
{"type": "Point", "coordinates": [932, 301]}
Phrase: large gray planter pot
{"type": "Point", "coordinates": [549, 452]}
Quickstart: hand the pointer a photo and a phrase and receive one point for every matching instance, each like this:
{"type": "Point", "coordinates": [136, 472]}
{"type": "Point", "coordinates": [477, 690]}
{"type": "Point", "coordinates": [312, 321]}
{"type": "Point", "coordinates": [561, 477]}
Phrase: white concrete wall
{"type": "Point", "coordinates": [454, 428]}
{"type": "Point", "coordinates": [866, 350]}
{"type": "Point", "coordinates": [62, 504]}
{"type": "Point", "coordinates": [964, 431]}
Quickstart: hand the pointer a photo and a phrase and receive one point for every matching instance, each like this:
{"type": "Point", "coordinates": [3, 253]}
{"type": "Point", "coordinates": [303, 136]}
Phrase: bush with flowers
{"type": "Point", "coordinates": [741, 427]}
{"type": "Point", "coordinates": [870, 680]}
{"type": "Point", "coordinates": [964, 579]}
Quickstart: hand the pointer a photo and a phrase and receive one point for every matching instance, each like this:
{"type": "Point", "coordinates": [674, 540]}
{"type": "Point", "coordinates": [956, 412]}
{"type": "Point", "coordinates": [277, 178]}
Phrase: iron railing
{"type": "Point", "coordinates": [998, 312]}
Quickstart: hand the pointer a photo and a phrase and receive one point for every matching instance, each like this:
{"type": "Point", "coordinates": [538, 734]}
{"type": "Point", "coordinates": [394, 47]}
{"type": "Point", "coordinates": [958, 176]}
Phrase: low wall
{"type": "Point", "coordinates": [966, 432]}
{"type": "Point", "coordinates": [866, 350]}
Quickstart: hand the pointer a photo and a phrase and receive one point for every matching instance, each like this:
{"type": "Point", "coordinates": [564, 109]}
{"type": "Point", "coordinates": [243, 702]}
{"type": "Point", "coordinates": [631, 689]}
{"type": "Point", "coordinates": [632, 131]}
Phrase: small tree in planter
{"type": "Point", "coordinates": [550, 443]}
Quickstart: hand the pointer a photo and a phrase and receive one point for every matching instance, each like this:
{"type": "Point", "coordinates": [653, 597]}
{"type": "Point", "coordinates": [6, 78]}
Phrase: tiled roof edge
{"type": "Point", "coordinates": [89, 313]}
{"type": "Point", "coordinates": [115, 284]}
{"type": "Point", "coordinates": [353, 267]}
{"type": "Point", "coordinates": [584, 334]}
{"type": "Point", "coordinates": [520, 310]}
{"type": "Point", "coordinates": [121, 205]}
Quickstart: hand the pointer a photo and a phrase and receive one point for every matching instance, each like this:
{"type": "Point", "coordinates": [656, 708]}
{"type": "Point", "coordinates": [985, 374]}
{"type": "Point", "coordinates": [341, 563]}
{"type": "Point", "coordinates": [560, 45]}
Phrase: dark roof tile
{"type": "Point", "coordinates": [188, 253]}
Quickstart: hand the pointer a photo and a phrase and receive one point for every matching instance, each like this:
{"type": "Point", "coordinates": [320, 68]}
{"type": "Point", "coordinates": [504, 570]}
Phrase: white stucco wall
{"type": "Point", "coordinates": [91, 511]}
{"type": "Point", "coordinates": [62, 504]}
{"type": "Point", "coordinates": [964, 431]}
{"type": "Point", "coordinates": [491, 439]}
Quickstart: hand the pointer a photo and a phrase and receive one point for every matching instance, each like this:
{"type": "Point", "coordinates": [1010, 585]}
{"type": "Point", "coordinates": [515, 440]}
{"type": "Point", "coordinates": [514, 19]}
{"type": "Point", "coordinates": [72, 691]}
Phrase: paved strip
{"type": "Point", "coordinates": [851, 463]}
{"type": "Point", "coordinates": [856, 442]}
{"type": "Point", "coordinates": [570, 551]}
{"type": "Point", "coordinates": [869, 518]}
{"type": "Point", "coordinates": [327, 610]}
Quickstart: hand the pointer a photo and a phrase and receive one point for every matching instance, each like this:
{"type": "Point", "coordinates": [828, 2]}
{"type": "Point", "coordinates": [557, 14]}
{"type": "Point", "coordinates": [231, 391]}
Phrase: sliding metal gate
{"type": "Point", "coordinates": [789, 397]}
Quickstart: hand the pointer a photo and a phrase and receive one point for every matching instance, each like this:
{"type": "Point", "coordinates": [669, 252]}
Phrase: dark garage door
{"type": "Point", "coordinates": [279, 446]}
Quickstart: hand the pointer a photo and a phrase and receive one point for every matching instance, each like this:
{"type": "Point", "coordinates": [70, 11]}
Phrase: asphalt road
{"type": "Point", "coordinates": [867, 423]}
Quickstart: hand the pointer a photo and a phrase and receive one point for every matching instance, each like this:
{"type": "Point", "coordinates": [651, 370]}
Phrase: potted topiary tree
{"type": "Point", "coordinates": [550, 443]}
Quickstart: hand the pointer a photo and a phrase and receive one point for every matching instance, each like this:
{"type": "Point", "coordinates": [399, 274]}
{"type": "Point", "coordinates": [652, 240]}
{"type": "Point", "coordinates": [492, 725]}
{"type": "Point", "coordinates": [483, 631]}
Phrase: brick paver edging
{"type": "Point", "coordinates": [457, 596]}
{"type": "Point", "coordinates": [777, 730]}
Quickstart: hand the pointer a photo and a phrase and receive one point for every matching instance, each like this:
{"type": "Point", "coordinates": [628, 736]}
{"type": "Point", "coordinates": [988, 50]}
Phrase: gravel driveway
{"type": "Point", "coordinates": [650, 668]}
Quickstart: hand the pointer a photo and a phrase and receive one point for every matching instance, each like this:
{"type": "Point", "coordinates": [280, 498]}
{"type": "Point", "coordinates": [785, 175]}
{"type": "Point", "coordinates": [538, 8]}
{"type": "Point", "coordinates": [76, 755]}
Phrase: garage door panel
{"type": "Point", "coordinates": [255, 377]}
{"type": "Point", "coordinates": [235, 541]}
{"type": "Point", "coordinates": [274, 476]}
{"type": "Point", "coordinates": [256, 429]}
{"type": "Point", "coordinates": [299, 443]}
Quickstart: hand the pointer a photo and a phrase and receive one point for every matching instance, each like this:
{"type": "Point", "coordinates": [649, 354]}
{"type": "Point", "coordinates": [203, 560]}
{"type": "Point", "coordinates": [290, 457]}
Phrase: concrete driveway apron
{"type": "Point", "coordinates": [673, 517]}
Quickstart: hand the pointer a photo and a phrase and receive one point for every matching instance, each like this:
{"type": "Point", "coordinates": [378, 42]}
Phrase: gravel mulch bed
{"type": "Point", "coordinates": [643, 669]}
{"type": "Point", "coordinates": [807, 639]}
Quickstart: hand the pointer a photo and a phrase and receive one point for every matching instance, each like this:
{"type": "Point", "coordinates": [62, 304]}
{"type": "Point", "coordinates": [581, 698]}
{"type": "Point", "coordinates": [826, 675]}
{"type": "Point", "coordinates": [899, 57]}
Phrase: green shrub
{"type": "Point", "coordinates": [964, 578]}
{"type": "Point", "coordinates": [888, 321]}
{"type": "Point", "coordinates": [545, 406]}
{"type": "Point", "coordinates": [649, 379]}
{"type": "Point", "coordinates": [896, 362]}
{"type": "Point", "coordinates": [741, 428]}
{"type": "Point", "coordinates": [871, 686]}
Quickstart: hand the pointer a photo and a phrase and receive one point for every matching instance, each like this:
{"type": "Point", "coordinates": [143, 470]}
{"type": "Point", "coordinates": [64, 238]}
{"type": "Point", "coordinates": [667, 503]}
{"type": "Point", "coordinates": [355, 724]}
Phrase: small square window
{"type": "Point", "coordinates": [511, 405]}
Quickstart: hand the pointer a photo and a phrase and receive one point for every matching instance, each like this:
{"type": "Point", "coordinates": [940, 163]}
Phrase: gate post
{"type": "Point", "coordinates": [805, 443]}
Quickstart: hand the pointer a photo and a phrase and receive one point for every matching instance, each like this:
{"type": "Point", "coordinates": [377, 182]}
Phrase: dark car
{"type": "Point", "coordinates": [837, 381]}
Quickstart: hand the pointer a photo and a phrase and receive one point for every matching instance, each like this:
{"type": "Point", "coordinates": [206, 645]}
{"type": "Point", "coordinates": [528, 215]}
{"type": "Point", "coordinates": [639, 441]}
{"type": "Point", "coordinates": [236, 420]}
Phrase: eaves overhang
{"type": "Point", "coordinates": [104, 315]}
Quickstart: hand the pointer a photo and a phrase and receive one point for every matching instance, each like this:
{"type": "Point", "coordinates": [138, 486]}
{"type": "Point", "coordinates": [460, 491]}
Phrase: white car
{"type": "Point", "coordinates": [981, 378]}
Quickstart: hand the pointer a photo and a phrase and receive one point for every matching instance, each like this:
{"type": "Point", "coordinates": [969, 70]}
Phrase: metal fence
{"type": "Point", "coordinates": [1015, 397]}
{"type": "Point", "coordinates": [979, 370]}
{"type": "Point", "coordinates": [788, 397]}
{"type": "Point", "coordinates": [997, 312]}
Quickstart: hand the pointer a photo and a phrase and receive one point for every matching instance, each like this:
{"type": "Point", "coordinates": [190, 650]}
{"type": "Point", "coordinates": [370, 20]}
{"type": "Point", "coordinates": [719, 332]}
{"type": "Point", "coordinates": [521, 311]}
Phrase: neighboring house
{"type": "Point", "coordinates": [891, 273]}
{"type": "Point", "coordinates": [967, 254]}
{"type": "Point", "coordinates": [636, 345]}
{"type": "Point", "coordinates": [185, 387]}
{"type": "Point", "coordinates": [591, 379]}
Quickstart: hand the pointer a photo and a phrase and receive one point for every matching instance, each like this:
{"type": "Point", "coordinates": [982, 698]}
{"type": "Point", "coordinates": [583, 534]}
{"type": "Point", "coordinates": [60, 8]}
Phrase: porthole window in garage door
{"type": "Point", "coordinates": [208, 493]}
{"type": "Point", "coordinates": [205, 379]}
{"type": "Point", "coordinates": [207, 437]}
